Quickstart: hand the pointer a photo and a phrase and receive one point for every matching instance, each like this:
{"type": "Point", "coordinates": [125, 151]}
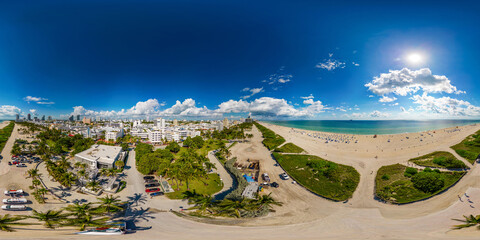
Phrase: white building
{"type": "Point", "coordinates": [156, 136]}
{"type": "Point", "coordinates": [113, 135]}
{"type": "Point", "coordinates": [101, 156]}
{"type": "Point", "coordinates": [161, 123]}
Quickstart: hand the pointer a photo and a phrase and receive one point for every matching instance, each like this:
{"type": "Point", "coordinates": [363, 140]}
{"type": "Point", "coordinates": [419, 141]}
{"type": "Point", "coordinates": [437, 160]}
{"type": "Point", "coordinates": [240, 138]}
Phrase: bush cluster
{"type": "Point", "coordinates": [241, 182]}
{"type": "Point", "coordinates": [271, 139]}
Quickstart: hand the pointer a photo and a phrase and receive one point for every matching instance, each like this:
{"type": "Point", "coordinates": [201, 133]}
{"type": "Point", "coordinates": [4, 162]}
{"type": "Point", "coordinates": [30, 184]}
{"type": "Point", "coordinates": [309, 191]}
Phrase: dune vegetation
{"type": "Point", "coordinates": [325, 178]}
{"type": "Point", "coordinates": [400, 184]}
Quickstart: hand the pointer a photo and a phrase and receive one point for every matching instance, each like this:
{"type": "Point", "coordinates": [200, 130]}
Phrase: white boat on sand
{"type": "Point", "coordinates": [14, 207]}
{"type": "Point", "coordinates": [14, 200]}
{"type": "Point", "coordinates": [13, 192]}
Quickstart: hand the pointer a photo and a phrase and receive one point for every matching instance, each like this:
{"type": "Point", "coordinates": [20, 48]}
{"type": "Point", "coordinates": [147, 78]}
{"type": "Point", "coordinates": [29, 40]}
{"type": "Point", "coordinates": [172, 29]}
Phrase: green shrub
{"type": "Point", "coordinates": [385, 177]}
{"type": "Point", "coordinates": [428, 182]}
{"type": "Point", "coordinates": [271, 139]}
{"type": "Point", "coordinates": [410, 171]}
{"type": "Point", "coordinates": [325, 178]}
{"type": "Point", "coordinates": [289, 148]}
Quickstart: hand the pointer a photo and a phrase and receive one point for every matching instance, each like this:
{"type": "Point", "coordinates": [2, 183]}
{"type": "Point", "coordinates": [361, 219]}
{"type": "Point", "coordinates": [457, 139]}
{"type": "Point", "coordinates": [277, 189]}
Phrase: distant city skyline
{"type": "Point", "coordinates": [211, 60]}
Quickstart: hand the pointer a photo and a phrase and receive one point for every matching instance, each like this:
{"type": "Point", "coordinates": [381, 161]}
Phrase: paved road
{"type": "Point", "coordinates": [227, 179]}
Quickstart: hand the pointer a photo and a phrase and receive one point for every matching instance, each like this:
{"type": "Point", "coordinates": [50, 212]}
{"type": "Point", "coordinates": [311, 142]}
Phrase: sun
{"type": "Point", "coordinates": [414, 58]}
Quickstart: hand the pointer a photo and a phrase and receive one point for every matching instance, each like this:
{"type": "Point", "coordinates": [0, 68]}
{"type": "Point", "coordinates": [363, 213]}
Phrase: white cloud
{"type": "Point", "coordinates": [405, 81]}
{"type": "Point", "coordinates": [308, 101]}
{"type": "Point", "coordinates": [279, 78]}
{"type": "Point", "coordinates": [271, 107]}
{"type": "Point", "coordinates": [33, 99]}
{"type": "Point", "coordinates": [355, 64]}
{"type": "Point", "coordinates": [261, 107]}
{"type": "Point", "coordinates": [252, 91]}
{"type": "Point", "coordinates": [386, 99]}
{"type": "Point", "coordinates": [330, 64]}
{"type": "Point", "coordinates": [378, 114]}
{"type": "Point", "coordinates": [38, 100]}
{"type": "Point", "coordinates": [445, 106]}
{"type": "Point", "coordinates": [9, 111]}
{"type": "Point", "coordinates": [33, 111]}
{"type": "Point", "coordinates": [308, 97]}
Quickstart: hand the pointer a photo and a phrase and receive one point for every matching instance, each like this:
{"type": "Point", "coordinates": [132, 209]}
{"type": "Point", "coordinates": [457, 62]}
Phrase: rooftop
{"type": "Point", "coordinates": [101, 153]}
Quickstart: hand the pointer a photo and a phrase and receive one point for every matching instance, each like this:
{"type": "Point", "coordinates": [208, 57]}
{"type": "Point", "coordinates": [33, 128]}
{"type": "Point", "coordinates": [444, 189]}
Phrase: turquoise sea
{"type": "Point", "coordinates": [367, 127]}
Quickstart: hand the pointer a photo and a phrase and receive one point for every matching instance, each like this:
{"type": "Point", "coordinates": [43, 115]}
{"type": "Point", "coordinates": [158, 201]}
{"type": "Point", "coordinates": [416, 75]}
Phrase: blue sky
{"type": "Point", "coordinates": [210, 59]}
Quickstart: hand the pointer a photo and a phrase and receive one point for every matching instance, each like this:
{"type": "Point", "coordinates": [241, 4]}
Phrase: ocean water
{"type": "Point", "coordinates": [367, 127]}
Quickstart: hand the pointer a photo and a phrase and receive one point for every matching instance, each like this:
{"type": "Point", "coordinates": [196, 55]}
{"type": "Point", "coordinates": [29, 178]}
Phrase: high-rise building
{"type": "Point", "coordinates": [49, 118]}
{"type": "Point", "coordinates": [70, 118]}
{"type": "Point", "coordinates": [17, 118]}
{"type": "Point", "coordinates": [175, 122]}
{"type": "Point", "coordinates": [225, 123]}
{"type": "Point", "coordinates": [43, 118]}
{"type": "Point", "coordinates": [87, 120]}
{"type": "Point", "coordinates": [160, 123]}
{"type": "Point", "coordinates": [29, 117]}
{"type": "Point", "coordinates": [78, 117]}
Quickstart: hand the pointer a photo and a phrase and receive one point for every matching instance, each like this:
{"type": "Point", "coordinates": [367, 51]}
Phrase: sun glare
{"type": "Point", "coordinates": [414, 58]}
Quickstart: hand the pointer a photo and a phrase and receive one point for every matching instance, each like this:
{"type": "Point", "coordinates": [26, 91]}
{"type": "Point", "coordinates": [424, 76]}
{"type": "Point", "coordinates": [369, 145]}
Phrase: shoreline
{"type": "Point", "coordinates": [371, 134]}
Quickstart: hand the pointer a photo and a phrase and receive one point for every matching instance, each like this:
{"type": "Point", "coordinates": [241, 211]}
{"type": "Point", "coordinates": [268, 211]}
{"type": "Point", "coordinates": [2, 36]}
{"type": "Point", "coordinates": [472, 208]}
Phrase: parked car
{"type": "Point", "coordinates": [284, 176]}
{"type": "Point", "coordinates": [152, 185]}
{"type": "Point", "coordinates": [274, 184]}
{"type": "Point", "coordinates": [15, 162]}
{"type": "Point", "coordinates": [148, 177]}
{"type": "Point", "coordinates": [151, 190]}
{"type": "Point", "coordinates": [265, 177]}
{"type": "Point", "coordinates": [156, 194]}
{"type": "Point", "coordinates": [1, 157]}
{"type": "Point", "coordinates": [21, 165]}
{"type": "Point", "coordinates": [9, 163]}
{"type": "Point", "coordinates": [151, 181]}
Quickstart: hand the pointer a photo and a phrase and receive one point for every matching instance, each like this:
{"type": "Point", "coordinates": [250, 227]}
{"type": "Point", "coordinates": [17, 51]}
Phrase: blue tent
{"type": "Point", "coordinates": [248, 178]}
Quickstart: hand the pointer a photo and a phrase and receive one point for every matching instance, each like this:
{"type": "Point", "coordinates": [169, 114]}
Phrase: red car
{"type": "Point", "coordinates": [152, 190]}
{"type": "Point", "coordinates": [15, 162]}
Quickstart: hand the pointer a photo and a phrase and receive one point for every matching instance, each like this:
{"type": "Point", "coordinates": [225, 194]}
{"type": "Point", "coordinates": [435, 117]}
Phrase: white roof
{"type": "Point", "coordinates": [101, 153]}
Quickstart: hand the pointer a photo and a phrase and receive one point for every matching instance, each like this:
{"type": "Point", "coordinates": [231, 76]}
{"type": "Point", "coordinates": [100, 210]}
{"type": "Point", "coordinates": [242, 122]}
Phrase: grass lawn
{"type": "Point", "coordinates": [442, 160]}
{"type": "Point", "coordinates": [469, 148]}
{"type": "Point", "coordinates": [339, 187]}
{"type": "Point", "coordinates": [392, 186]}
{"type": "Point", "coordinates": [213, 182]}
{"type": "Point", "coordinates": [208, 146]}
{"type": "Point", "coordinates": [289, 148]}
{"type": "Point", "coordinates": [5, 135]}
{"type": "Point", "coordinates": [271, 139]}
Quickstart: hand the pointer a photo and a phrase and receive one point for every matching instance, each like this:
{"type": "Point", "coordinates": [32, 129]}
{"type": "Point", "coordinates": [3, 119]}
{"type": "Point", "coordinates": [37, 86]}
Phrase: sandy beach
{"type": "Point", "coordinates": [307, 216]}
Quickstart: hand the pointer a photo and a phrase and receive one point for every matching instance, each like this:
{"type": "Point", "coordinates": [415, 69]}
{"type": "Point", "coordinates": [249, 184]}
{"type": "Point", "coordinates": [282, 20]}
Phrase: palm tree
{"type": "Point", "coordinates": [110, 203]}
{"type": "Point", "coordinates": [469, 221]}
{"type": "Point", "coordinates": [42, 192]}
{"type": "Point", "coordinates": [36, 183]}
{"type": "Point", "coordinates": [7, 221]}
{"type": "Point", "coordinates": [68, 179]}
{"type": "Point", "coordinates": [34, 173]}
{"type": "Point", "coordinates": [94, 185]}
{"type": "Point", "coordinates": [87, 221]}
{"type": "Point", "coordinates": [51, 218]}
{"type": "Point", "coordinates": [111, 172]}
{"type": "Point", "coordinates": [236, 208]}
{"type": "Point", "coordinates": [266, 201]}
{"type": "Point", "coordinates": [64, 163]}
{"type": "Point", "coordinates": [103, 171]}
{"type": "Point", "coordinates": [79, 210]}
{"type": "Point", "coordinates": [203, 202]}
